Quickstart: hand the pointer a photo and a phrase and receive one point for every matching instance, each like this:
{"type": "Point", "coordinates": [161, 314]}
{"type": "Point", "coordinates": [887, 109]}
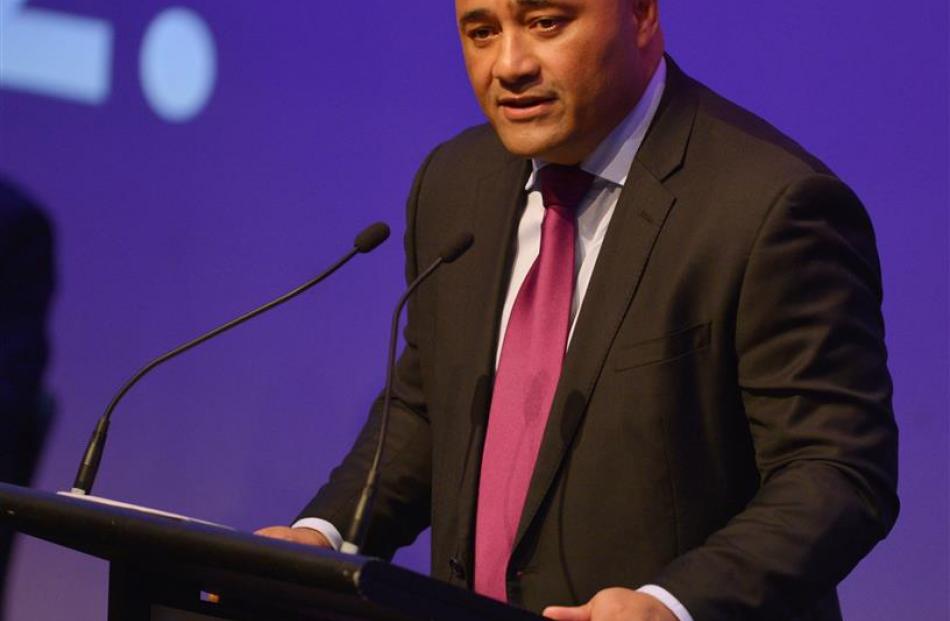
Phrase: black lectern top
{"type": "Point", "coordinates": [229, 571]}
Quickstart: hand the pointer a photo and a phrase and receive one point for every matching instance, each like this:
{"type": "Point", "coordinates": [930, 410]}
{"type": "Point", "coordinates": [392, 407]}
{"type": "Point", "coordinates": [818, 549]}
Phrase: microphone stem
{"type": "Point", "coordinates": [359, 525]}
{"type": "Point", "coordinates": [86, 476]}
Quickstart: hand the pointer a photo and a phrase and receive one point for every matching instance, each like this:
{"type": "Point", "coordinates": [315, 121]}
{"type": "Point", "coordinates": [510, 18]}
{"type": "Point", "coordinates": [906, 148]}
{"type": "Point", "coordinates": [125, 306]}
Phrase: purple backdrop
{"type": "Point", "coordinates": [318, 116]}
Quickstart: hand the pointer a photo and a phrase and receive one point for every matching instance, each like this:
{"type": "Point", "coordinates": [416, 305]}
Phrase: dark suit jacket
{"type": "Point", "coordinates": [722, 426]}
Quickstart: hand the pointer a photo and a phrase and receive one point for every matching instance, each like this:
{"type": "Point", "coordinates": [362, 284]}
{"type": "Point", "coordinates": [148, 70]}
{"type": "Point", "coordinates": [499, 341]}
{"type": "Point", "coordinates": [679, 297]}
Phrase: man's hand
{"type": "Point", "coordinates": [615, 604]}
{"type": "Point", "coordinates": [306, 536]}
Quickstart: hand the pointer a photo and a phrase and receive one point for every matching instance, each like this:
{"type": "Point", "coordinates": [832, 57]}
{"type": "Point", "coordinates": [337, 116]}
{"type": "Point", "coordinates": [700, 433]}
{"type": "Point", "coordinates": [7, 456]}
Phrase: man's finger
{"type": "Point", "coordinates": [275, 532]}
{"type": "Point", "coordinates": [305, 536]}
{"type": "Point", "coordinates": [568, 613]}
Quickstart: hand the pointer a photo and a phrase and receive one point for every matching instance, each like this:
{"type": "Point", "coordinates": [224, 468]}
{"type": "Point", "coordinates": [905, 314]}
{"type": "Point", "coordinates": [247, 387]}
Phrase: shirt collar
{"type": "Point", "coordinates": [612, 158]}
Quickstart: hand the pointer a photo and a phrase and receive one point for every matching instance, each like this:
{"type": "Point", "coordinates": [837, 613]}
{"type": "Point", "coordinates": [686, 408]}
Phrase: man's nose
{"type": "Point", "coordinates": [516, 65]}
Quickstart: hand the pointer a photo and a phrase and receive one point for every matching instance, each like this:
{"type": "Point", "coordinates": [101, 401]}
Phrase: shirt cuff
{"type": "Point", "coordinates": [667, 599]}
{"type": "Point", "coordinates": [326, 529]}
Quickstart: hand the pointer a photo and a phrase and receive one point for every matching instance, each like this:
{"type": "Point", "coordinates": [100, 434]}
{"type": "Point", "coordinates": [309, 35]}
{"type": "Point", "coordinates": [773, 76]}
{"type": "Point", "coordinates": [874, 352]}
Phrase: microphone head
{"type": "Point", "coordinates": [371, 236]}
{"type": "Point", "coordinates": [457, 247]}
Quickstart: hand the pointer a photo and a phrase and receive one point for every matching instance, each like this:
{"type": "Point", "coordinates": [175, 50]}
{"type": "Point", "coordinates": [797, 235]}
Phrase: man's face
{"type": "Point", "coordinates": [554, 77]}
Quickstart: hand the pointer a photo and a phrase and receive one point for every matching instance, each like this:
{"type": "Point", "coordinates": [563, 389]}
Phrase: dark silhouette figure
{"type": "Point", "coordinates": [26, 285]}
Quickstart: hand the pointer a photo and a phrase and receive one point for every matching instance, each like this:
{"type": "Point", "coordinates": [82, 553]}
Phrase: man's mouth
{"type": "Point", "coordinates": [524, 107]}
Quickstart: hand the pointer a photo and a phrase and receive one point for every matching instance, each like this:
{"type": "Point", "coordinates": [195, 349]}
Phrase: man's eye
{"type": "Point", "coordinates": [548, 24]}
{"type": "Point", "coordinates": [480, 34]}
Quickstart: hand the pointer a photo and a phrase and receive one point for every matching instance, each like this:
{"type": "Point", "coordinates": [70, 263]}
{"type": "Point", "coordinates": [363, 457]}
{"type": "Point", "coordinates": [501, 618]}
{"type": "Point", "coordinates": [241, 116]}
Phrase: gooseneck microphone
{"type": "Point", "coordinates": [357, 533]}
{"type": "Point", "coordinates": [371, 237]}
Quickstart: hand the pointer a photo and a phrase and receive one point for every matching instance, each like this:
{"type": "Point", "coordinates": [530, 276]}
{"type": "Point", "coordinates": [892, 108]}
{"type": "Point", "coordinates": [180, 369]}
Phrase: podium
{"type": "Point", "coordinates": [163, 569]}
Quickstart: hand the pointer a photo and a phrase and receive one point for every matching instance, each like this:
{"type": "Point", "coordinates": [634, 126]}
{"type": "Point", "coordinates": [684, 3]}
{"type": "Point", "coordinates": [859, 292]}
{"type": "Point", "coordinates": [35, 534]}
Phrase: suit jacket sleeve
{"type": "Point", "coordinates": [816, 391]}
{"type": "Point", "coordinates": [403, 499]}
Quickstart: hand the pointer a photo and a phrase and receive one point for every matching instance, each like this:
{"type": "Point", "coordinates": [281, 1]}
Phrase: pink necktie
{"type": "Point", "coordinates": [526, 379]}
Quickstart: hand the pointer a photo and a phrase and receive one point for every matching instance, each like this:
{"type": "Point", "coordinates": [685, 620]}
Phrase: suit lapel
{"type": "Point", "coordinates": [638, 218]}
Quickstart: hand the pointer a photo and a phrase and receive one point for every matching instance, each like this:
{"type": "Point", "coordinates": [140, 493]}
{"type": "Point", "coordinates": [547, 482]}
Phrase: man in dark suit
{"type": "Point", "coordinates": [26, 285]}
{"type": "Point", "coordinates": [717, 441]}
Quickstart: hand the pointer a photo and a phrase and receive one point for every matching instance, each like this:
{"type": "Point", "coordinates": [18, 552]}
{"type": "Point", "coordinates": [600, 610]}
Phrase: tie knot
{"type": "Point", "coordinates": [564, 186]}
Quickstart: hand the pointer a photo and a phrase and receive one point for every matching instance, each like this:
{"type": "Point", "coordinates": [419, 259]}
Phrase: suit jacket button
{"type": "Point", "coordinates": [457, 569]}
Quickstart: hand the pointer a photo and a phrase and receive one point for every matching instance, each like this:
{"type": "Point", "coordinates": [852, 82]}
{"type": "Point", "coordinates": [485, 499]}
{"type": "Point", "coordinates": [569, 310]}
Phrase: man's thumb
{"type": "Point", "coordinates": [565, 613]}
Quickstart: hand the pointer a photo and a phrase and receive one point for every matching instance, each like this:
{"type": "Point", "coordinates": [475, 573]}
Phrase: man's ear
{"type": "Point", "coordinates": [647, 13]}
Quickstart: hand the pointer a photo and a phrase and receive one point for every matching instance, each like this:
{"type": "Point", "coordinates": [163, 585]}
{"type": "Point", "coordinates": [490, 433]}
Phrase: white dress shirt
{"type": "Point", "coordinates": [609, 164]}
